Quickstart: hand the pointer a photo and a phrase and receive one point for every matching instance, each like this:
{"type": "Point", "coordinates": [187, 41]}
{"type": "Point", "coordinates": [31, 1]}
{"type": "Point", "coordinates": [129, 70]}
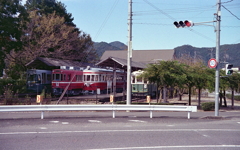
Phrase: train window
{"type": "Point", "coordinates": [103, 78]}
{"type": "Point", "coordinates": [78, 78]}
{"type": "Point", "coordinates": [96, 77]}
{"type": "Point", "coordinates": [108, 77]}
{"type": "Point", "coordinates": [86, 77]}
{"type": "Point", "coordinates": [133, 79]}
{"type": "Point", "coordinates": [139, 80]}
{"type": "Point", "coordinates": [44, 78]}
{"type": "Point", "coordinates": [57, 77]}
{"type": "Point", "coordinates": [145, 81]}
{"type": "Point", "coordinates": [49, 77]}
{"type": "Point", "coordinates": [100, 77]}
{"type": "Point", "coordinates": [119, 78]}
{"type": "Point", "coordinates": [69, 77]}
{"type": "Point", "coordinates": [92, 77]}
{"type": "Point", "coordinates": [35, 77]}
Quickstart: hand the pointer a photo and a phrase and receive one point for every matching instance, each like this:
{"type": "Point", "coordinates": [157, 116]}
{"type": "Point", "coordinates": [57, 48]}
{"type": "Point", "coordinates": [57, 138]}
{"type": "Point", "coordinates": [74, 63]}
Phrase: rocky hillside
{"type": "Point", "coordinates": [229, 53]}
{"type": "Point", "coordinates": [101, 47]}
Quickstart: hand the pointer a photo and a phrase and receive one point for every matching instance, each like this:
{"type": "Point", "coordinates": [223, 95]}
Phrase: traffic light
{"type": "Point", "coordinates": [228, 69]}
{"type": "Point", "coordinates": [182, 24]}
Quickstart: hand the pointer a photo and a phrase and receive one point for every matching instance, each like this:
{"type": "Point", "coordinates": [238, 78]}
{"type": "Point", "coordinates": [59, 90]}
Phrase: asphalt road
{"type": "Point", "coordinates": [129, 130]}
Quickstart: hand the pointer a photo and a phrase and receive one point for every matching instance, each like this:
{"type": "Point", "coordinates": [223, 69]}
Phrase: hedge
{"type": "Point", "coordinates": [208, 106]}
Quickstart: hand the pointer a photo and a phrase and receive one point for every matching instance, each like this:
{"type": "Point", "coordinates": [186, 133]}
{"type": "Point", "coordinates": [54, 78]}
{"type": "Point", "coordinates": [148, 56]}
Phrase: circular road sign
{"type": "Point", "coordinates": [212, 63]}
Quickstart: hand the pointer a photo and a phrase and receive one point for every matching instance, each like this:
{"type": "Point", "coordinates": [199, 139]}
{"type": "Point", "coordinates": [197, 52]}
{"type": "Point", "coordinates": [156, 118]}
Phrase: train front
{"type": "Point", "coordinates": [37, 80]}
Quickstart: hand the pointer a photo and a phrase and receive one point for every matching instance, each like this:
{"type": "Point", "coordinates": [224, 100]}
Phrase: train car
{"type": "Point", "coordinates": [141, 86]}
{"type": "Point", "coordinates": [37, 80]}
{"type": "Point", "coordinates": [72, 79]}
{"type": "Point", "coordinates": [99, 78]}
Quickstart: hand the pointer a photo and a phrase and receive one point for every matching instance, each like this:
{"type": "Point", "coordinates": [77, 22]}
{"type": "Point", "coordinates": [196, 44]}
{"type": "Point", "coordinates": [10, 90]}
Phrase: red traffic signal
{"type": "Point", "coordinates": [183, 24]}
{"type": "Point", "coordinates": [188, 23]}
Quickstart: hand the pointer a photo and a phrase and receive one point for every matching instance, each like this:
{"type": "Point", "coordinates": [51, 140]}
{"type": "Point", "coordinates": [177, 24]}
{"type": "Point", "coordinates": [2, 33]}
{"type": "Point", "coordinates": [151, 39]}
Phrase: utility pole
{"type": "Point", "coordinates": [218, 19]}
{"type": "Point", "coordinates": [129, 59]}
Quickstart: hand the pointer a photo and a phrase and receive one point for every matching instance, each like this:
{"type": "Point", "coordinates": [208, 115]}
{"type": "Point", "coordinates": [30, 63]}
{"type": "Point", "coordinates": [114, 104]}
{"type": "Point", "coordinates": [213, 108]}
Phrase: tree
{"type": "Point", "coordinates": [49, 36]}
{"type": "Point", "coordinates": [234, 84]}
{"type": "Point", "coordinates": [203, 76]}
{"type": "Point", "coordinates": [12, 18]}
{"type": "Point", "coordinates": [165, 74]}
{"type": "Point", "coordinates": [48, 7]}
{"type": "Point", "coordinates": [84, 50]}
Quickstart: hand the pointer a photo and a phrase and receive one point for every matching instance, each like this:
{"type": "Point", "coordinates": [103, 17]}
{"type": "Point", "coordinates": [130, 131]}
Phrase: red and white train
{"type": "Point", "coordinates": [86, 80]}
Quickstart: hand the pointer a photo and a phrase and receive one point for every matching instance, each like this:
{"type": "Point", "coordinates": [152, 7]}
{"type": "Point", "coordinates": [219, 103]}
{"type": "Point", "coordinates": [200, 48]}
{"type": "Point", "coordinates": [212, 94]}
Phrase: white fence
{"type": "Point", "coordinates": [113, 108]}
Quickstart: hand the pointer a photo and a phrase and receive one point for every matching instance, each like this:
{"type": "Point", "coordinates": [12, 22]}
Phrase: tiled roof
{"type": "Point", "coordinates": [146, 56]}
{"type": "Point", "coordinates": [120, 63]}
{"type": "Point", "coordinates": [54, 62]}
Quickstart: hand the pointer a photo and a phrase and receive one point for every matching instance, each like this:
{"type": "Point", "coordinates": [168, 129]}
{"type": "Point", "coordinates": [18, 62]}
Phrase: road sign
{"type": "Point", "coordinates": [39, 99]}
{"type": "Point", "coordinates": [212, 63]}
{"type": "Point", "coordinates": [111, 98]}
{"type": "Point", "coordinates": [148, 99]}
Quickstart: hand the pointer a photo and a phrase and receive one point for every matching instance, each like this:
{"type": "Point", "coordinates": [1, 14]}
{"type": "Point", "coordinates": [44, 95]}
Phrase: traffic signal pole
{"type": "Point", "coordinates": [217, 76]}
{"type": "Point", "coordinates": [186, 23]}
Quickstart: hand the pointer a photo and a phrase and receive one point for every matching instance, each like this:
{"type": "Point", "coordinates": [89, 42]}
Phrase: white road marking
{"type": "Point", "coordinates": [137, 121]}
{"type": "Point", "coordinates": [54, 121]}
{"type": "Point", "coordinates": [65, 122]}
{"type": "Point", "coordinates": [43, 128]}
{"type": "Point", "coordinates": [94, 121]}
{"type": "Point", "coordinates": [172, 147]}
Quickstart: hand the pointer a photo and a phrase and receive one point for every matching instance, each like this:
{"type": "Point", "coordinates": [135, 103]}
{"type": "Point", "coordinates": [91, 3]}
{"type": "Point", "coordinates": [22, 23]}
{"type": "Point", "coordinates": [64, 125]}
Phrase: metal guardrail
{"type": "Point", "coordinates": [151, 108]}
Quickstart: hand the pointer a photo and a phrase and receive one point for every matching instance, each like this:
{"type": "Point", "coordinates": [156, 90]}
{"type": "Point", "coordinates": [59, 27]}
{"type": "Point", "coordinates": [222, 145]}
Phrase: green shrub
{"type": "Point", "coordinates": [208, 106]}
{"type": "Point", "coordinates": [16, 86]}
{"type": "Point", "coordinates": [236, 97]}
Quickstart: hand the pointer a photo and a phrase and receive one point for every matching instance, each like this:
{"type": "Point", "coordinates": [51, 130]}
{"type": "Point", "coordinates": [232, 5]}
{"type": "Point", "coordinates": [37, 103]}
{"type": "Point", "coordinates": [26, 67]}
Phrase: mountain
{"type": "Point", "coordinates": [228, 53]}
{"type": "Point", "coordinates": [101, 47]}
{"type": "Point", "coordinates": [119, 45]}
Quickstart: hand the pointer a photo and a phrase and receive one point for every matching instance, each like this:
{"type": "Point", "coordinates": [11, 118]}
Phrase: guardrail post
{"type": "Point", "coordinates": [113, 113]}
{"type": "Point", "coordinates": [42, 114]}
{"type": "Point", "coordinates": [151, 115]}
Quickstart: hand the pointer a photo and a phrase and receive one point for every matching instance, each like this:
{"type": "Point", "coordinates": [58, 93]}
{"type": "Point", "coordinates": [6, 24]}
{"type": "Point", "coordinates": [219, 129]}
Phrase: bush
{"type": "Point", "coordinates": [236, 97]}
{"type": "Point", "coordinates": [208, 106]}
{"type": "Point", "coordinates": [16, 86]}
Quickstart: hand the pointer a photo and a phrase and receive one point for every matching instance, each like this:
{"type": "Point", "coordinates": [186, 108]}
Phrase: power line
{"type": "Point", "coordinates": [159, 10]}
{"type": "Point", "coordinates": [106, 19]}
{"type": "Point", "coordinates": [175, 19]}
{"type": "Point", "coordinates": [227, 2]}
{"type": "Point", "coordinates": [230, 12]}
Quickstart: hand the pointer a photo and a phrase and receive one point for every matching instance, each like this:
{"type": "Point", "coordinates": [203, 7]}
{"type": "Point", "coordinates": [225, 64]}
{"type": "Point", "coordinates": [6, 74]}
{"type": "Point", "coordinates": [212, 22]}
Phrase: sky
{"type": "Point", "coordinates": [152, 28]}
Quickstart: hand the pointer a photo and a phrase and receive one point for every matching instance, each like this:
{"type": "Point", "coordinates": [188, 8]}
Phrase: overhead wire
{"type": "Point", "coordinates": [173, 19]}
{"type": "Point", "coordinates": [106, 19]}
{"type": "Point", "coordinates": [231, 12]}
{"type": "Point", "coordinates": [102, 26]}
